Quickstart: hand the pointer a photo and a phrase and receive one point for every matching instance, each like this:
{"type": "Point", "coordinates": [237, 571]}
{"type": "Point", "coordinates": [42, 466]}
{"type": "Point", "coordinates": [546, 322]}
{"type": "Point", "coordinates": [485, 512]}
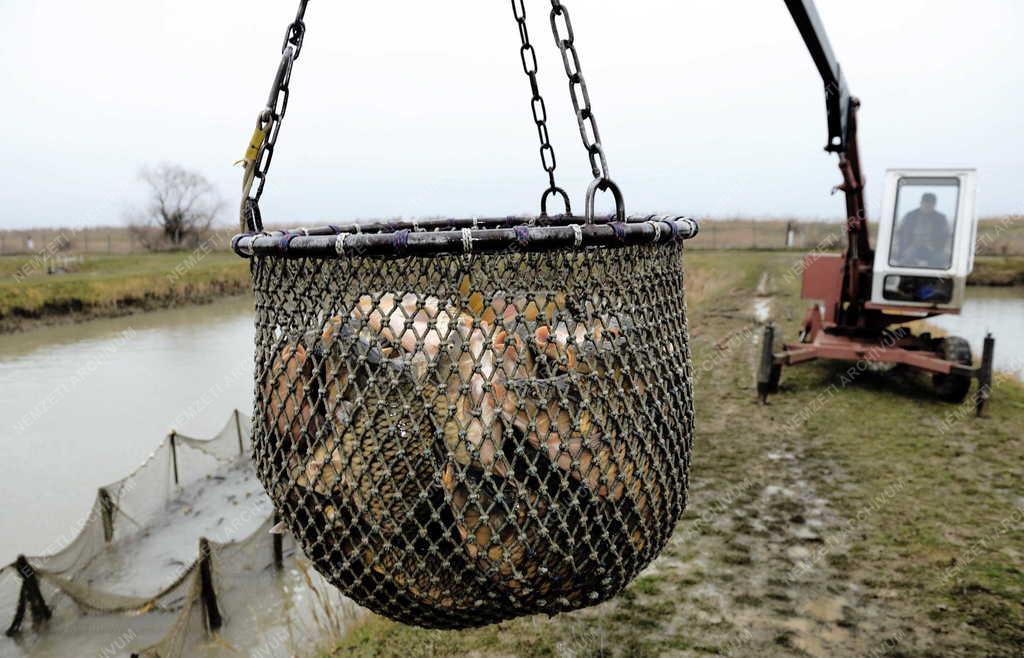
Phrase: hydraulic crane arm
{"type": "Point", "coordinates": [842, 127]}
{"type": "Point", "coordinates": [840, 105]}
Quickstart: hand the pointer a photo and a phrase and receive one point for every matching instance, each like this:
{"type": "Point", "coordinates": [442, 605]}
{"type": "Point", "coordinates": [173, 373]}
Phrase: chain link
{"type": "Point", "coordinates": [539, 108]}
{"type": "Point", "coordinates": [268, 123]}
{"type": "Point", "coordinates": [296, 32]}
{"type": "Point", "coordinates": [565, 37]}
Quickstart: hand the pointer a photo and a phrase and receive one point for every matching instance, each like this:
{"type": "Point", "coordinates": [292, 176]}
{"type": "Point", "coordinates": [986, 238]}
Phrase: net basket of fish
{"type": "Point", "coordinates": [462, 422]}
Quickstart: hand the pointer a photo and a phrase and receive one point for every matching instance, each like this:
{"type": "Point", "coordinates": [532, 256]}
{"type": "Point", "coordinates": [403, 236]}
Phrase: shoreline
{"type": "Point", "coordinates": [997, 271]}
{"type": "Point", "coordinates": [100, 287]}
{"type": "Point", "coordinates": [115, 288]}
{"type": "Point", "coordinates": [75, 312]}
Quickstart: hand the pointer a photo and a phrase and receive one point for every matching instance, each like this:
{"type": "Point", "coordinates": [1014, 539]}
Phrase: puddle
{"type": "Point", "coordinates": [762, 309]}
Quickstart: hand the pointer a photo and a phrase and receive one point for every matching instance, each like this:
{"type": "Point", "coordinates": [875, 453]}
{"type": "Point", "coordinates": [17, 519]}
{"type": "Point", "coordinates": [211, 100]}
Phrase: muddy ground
{"type": "Point", "coordinates": [854, 515]}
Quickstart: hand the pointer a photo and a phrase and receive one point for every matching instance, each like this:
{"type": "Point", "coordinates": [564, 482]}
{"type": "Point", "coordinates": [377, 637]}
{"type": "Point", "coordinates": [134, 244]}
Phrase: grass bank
{"type": "Point", "coordinates": [35, 291]}
{"type": "Point", "coordinates": [998, 271]}
{"type": "Point", "coordinates": [852, 516]}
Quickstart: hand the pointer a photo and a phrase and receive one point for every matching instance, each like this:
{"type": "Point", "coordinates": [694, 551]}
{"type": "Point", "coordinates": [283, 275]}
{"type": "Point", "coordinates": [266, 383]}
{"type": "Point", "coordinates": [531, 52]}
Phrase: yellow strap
{"type": "Point", "coordinates": [252, 153]}
{"type": "Point", "coordinates": [255, 144]}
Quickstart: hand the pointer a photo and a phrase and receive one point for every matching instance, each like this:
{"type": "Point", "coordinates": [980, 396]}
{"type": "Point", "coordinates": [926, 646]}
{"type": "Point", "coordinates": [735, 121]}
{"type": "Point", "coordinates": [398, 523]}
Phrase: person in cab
{"type": "Point", "coordinates": [924, 237]}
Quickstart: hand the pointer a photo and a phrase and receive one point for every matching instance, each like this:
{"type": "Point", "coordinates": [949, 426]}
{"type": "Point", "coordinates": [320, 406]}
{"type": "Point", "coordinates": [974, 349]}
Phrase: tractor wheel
{"type": "Point", "coordinates": [953, 388]}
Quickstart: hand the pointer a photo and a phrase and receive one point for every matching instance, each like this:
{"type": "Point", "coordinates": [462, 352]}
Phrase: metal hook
{"type": "Point", "coordinates": [605, 185]}
{"type": "Point", "coordinates": [544, 200]}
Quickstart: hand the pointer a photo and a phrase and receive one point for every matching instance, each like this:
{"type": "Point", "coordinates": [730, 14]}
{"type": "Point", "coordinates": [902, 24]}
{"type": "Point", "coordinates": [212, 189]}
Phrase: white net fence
{"type": "Point", "coordinates": [167, 556]}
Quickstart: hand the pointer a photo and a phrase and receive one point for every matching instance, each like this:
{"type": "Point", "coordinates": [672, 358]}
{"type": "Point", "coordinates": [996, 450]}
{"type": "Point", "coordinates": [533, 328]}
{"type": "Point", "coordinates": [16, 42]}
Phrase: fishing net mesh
{"type": "Point", "coordinates": [463, 439]}
{"type": "Point", "coordinates": [237, 569]}
{"type": "Point", "coordinates": [106, 569]}
{"type": "Point", "coordinates": [139, 500]}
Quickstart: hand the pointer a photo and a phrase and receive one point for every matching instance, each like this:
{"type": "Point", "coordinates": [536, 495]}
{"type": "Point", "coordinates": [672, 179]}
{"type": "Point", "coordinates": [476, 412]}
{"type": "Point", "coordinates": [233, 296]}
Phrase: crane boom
{"type": "Point", "coordinates": [842, 125]}
{"type": "Point", "coordinates": [837, 94]}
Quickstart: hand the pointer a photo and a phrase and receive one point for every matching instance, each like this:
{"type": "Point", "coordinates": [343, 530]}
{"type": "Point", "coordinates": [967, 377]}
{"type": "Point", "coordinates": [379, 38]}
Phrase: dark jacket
{"type": "Point", "coordinates": [923, 239]}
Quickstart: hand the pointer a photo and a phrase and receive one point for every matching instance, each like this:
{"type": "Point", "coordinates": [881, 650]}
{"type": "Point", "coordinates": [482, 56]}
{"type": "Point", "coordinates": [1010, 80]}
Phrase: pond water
{"type": "Point", "coordinates": [996, 310]}
{"type": "Point", "coordinates": [82, 405]}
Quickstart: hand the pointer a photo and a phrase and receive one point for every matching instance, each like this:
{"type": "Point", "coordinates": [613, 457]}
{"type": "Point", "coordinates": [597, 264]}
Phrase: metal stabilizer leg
{"type": "Point", "coordinates": [985, 376]}
{"type": "Point", "coordinates": [768, 372]}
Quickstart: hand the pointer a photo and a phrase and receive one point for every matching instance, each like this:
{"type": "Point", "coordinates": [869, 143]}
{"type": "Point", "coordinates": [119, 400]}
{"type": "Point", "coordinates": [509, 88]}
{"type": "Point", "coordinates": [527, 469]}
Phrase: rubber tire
{"type": "Point", "coordinates": [953, 388]}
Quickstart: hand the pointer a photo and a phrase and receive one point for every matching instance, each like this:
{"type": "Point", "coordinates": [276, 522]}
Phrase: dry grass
{"type": "Point", "coordinates": [997, 236]}
{"type": "Point", "coordinates": [85, 240]}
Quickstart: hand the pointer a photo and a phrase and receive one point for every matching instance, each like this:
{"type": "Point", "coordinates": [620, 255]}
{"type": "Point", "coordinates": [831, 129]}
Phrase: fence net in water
{"type": "Point", "coordinates": [462, 439]}
{"type": "Point", "coordinates": [134, 575]}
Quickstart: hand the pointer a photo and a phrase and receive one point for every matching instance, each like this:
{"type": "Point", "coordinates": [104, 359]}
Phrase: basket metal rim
{"type": "Point", "coordinates": [412, 238]}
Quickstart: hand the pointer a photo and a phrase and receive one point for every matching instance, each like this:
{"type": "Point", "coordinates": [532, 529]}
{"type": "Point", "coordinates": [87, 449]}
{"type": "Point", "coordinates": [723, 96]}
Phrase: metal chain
{"type": "Point", "coordinates": [540, 111]}
{"type": "Point", "coordinates": [268, 123]}
{"type": "Point", "coordinates": [260, 153]}
{"type": "Point", "coordinates": [578, 89]}
{"type": "Point", "coordinates": [566, 40]}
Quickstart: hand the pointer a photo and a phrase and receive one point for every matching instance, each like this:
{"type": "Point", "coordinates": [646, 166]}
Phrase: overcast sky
{"type": "Point", "coordinates": [412, 108]}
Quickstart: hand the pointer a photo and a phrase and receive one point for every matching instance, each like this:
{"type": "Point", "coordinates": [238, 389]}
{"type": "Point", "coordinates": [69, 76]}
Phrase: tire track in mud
{"type": "Point", "coordinates": [762, 556]}
{"type": "Point", "coordinates": [800, 538]}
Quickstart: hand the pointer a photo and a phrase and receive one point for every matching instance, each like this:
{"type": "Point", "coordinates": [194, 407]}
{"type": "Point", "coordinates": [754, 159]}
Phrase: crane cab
{"type": "Point", "coordinates": [926, 237]}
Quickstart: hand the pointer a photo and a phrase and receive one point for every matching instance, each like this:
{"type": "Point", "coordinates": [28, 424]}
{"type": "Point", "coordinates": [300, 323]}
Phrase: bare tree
{"type": "Point", "coordinates": [182, 207]}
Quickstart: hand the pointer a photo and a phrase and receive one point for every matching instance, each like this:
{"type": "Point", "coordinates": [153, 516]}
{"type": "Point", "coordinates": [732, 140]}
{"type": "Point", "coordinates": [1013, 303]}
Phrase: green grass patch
{"type": "Point", "coordinates": [998, 271]}
{"type": "Point", "coordinates": [32, 289]}
{"type": "Point", "coordinates": [647, 585]}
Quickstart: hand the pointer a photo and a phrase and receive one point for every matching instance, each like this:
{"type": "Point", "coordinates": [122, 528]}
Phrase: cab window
{"type": "Point", "coordinates": [926, 210]}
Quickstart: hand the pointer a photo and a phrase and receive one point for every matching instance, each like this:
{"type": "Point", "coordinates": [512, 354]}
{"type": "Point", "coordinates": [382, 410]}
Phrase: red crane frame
{"type": "Point", "coordinates": [847, 326]}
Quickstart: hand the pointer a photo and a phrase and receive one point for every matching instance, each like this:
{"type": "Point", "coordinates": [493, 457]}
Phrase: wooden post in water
{"type": "Point", "coordinates": [30, 597]}
{"type": "Point", "coordinates": [238, 429]}
{"type": "Point", "coordinates": [206, 590]}
{"type": "Point", "coordinates": [107, 514]}
{"type": "Point", "coordinates": [174, 455]}
{"type": "Point", "coordinates": [278, 540]}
